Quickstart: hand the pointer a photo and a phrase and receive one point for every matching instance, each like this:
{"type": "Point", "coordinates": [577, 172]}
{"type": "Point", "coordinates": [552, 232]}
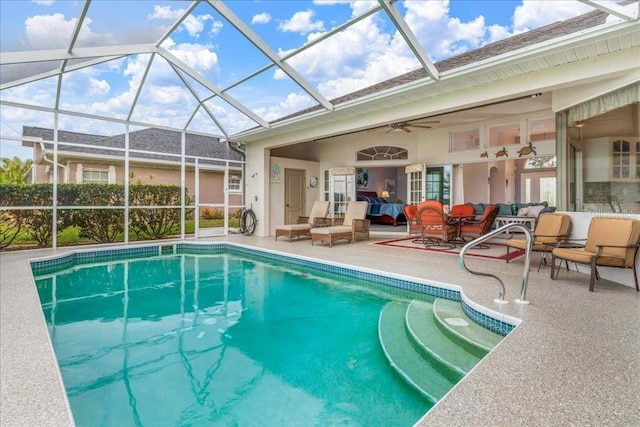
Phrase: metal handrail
{"type": "Point", "coordinates": [527, 260]}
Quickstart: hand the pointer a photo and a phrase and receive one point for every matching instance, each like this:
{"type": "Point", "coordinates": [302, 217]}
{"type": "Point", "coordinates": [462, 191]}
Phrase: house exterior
{"type": "Point", "coordinates": [155, 158]}
{"type": "Point", "coordinates": [581, 71]}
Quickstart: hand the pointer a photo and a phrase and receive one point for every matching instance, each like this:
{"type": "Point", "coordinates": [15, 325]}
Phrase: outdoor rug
{"type": "Point", "coordinates": [495, 251]}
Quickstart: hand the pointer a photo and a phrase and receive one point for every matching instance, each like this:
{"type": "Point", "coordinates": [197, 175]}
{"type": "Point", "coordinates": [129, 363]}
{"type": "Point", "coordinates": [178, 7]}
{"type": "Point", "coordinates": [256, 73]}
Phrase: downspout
{"type": "Point", "coordinates": [65, 168]}
{"type": "Point", "coordinates": [244, 171]}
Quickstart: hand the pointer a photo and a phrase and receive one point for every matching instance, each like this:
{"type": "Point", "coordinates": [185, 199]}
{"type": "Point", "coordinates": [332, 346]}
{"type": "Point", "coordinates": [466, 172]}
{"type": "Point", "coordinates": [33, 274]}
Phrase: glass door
{"type": "Point", "coordinates": [343, 190]}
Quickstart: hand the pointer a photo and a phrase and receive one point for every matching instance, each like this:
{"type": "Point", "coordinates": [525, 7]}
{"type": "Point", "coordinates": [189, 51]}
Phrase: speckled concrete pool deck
{"type": "Point", "coordinates": [574, 359]}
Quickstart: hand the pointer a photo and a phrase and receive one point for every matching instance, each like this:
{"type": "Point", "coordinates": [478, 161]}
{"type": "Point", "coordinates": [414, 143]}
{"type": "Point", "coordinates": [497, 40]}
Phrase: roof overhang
{"type": "Point", "coordinates": [617, 44]}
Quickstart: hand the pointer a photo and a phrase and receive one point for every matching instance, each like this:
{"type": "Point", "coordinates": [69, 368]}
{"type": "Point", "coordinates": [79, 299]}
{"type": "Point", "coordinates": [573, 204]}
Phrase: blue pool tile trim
{"type": "Point", "coordinates": [50, 265]}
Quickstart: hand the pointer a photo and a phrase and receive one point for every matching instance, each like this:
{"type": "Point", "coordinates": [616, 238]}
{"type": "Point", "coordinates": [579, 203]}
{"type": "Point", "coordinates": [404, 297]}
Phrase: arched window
{"type": "Point", "coordinates": [382, 152]}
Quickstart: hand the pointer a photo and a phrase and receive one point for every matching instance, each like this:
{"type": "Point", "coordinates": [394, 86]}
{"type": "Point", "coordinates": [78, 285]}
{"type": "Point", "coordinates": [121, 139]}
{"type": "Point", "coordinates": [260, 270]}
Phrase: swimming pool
{"type": "Point", "coordinates": [223, 337]}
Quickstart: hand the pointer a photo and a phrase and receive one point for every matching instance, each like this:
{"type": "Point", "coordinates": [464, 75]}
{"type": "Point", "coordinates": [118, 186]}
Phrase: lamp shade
{"type": "Point", "coordinates": [385, 194]}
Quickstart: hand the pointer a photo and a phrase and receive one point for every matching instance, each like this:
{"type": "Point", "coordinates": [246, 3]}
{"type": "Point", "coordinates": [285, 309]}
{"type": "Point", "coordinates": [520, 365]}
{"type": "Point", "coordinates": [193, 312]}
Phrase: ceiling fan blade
{"type": "Point", "coordinates": [420, 126]}
{"type": "Point", "coordinates": [406, 129]}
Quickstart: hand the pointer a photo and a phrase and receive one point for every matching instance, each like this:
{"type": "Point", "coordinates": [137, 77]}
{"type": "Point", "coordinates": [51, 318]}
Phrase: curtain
{"type": "Point", "coordinates": [458, 185]}
{"type": "Point", "coordinates": [605, 103]}
{"type": "Point", "coordinates": [349, 170]}
{"type": "Point", "coordinates": [414, 168]}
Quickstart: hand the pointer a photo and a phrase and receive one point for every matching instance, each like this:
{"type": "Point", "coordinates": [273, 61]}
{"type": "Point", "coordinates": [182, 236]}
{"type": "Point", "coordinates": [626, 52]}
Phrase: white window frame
{"type": "Point", "coordinates": [475, 144]}
{"type": "Point", "coordinates": [507, 124]}
{"type": "Point", "coordinates": [634, 159]}
{"type": "Point", "coordinates": [234, 183]}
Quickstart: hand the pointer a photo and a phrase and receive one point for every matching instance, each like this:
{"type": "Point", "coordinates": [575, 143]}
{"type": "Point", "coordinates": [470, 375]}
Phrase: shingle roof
{"type": "Point", "coordinates": [155, 141]}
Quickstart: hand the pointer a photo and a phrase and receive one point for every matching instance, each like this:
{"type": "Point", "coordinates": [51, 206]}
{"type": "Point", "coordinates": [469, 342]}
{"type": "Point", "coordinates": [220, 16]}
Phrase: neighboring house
{"type": "Point", "coordinates": [154, 158]}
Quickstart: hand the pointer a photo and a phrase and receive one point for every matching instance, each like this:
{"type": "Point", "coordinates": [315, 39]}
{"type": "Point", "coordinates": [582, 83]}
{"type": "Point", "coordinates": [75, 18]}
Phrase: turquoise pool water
{"type": "Point", "coordinates": [223, 339]}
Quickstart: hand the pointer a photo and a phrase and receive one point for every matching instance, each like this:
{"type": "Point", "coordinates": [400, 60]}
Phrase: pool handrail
{"type": "Point", "coordinates": [527, 261]}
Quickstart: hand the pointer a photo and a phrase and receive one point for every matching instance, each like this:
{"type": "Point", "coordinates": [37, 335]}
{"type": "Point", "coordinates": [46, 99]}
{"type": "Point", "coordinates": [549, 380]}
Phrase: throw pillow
{"type": "Point", "coordinates": [535, 210]}
{"type": "Point", "coordinates": [523, 212]}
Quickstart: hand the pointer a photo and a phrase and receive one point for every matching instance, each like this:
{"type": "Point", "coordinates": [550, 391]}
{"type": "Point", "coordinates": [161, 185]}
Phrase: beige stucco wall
{"type": "Point", "coordinates": [211, 182]}
{"type": "Point", "coordinates": [276, 188]}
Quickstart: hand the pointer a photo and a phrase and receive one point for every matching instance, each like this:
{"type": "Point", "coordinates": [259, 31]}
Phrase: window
{"type": "Point", "coordinates": [638, 159]}
{"type": "Point", "coordinates": [438, 184]}
{"type": "Point", "coordinates": [326, 188]}
{"type": "Point", "coordinates": [415, 187]}
{"type": "Point", "coordinates": [507, 134]}
{"type": "Point", "coordinates": [542, 129]}
{"type": "Point", "coordinates": [95, 176]}
{"type": "Point", "coordinates": [621, 156]}
{"type": "Point", "coordinates": [382, 152]}
{"type": "Point", "coordinates": [464, 140]}
{"type": "Point", "coordinates": [234, 183]}
{"type": "Point", "coordinates": [343, 186]}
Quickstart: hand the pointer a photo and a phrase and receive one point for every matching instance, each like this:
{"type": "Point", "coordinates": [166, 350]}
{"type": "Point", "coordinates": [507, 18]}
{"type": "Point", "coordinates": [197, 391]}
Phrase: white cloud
{"type": "Point", "coordinates": [352, 59]}
{"type": "Point", "coordinates": [261, 18]}
{"type": "Point", "coordinates": [44, 2]}
{"type": "Point", "coordinates": [442, 35]}
{"type": "Point", "coordinates": [166, 12]}
{"type": "Point", "coordinates": [52, 31]}
{"type": "Point", "coordinates": [199, 56]}
{"type": "Point", "coordinates": [535, 14]}
{"type": "Point", "coordinates": [193, 24]}
{"type": "Point", "coordinates": [301, 22]}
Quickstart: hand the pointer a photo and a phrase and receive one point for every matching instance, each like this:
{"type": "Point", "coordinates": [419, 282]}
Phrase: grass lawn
{"type": "Point", "coordinates": [70, 236]}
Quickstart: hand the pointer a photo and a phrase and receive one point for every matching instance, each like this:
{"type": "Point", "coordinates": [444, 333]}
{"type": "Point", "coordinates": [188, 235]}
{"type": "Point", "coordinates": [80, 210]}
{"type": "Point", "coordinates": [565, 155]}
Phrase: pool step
{"type": "Point", "coordinates": [455, 324]}
{"type": "Point", "coordinates": [432, 345]}
{"type": "Point", "coordinates": [405, 358]}
{"type": "Point", "coordinates": [425, 331]}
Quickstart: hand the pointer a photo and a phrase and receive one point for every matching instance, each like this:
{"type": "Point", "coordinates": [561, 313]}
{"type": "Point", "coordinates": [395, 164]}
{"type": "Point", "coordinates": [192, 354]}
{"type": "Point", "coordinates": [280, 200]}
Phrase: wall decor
{"type": "Point", "coordinates": [502, 153]}
{"type": "Point", "coordinates": [485, 154]}
{"type": "Point", "coordinates": [362, 178]}
{"type": "Point", "coordinates": [313, 182]}
{"type": "Point", "coordinates": [276, 176]}
{"type": "Point", "coordinates": [525, 151]}
{"type": "Point", "coordinates": [390, 186]}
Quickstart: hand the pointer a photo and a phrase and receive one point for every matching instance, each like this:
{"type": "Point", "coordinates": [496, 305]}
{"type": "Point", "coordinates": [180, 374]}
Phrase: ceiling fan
{"type": "Point", "coordinates": [406, 126]}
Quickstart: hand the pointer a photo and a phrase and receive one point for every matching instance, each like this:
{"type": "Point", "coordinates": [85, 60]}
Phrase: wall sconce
{"type": "Point", "coordinates": [507, 182]}
{"type": "Point", "coordinates": [488, 180]}
{"type": "Point", "coordinates": [385, 194]}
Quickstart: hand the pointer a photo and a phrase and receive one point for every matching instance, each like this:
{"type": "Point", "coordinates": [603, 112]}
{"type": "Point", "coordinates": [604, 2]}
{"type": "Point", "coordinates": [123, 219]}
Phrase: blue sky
{"type": "Point", "coordinates": [364, 54]}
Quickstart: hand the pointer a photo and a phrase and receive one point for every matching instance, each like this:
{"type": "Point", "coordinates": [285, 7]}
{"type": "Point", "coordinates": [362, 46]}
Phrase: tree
{"type": "Point", "coordinates": [14, 171]}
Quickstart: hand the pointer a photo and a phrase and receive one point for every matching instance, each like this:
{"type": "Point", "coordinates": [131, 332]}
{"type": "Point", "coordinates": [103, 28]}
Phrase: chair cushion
{"type": "Point", "coordinates": [355, 210]}
{"type": "Point", "coordinates": [522, 244]}
{"type": "Point", "coordinates": [294, 227]}
{"type": "Point", "coordinates": [551, 226]}
{"type": "Point", "coordinates": [320, 209]}
{"type": "Point", "coordinates": [610, 231]}
{"type": "Point", "coordinates": [332, 230]}
{"type": "Point", "coordinates": [582, 256]}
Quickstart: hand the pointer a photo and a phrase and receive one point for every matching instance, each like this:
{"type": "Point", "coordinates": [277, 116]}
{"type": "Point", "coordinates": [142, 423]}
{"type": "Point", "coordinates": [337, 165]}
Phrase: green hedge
{"type": "Point", "coordinates": [99, 225]}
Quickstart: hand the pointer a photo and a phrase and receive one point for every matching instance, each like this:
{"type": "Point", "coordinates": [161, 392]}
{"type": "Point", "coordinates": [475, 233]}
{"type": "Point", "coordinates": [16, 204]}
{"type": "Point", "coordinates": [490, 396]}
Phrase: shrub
{"type": "Point", "coordinates": [155, 222]}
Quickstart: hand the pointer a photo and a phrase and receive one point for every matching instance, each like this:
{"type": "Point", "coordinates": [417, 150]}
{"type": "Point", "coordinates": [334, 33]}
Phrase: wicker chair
{"type": "Point", "coordinates": [436, 228]}
{"type": "Point", "coordinates": [353, 225]}
{"type": "Point", "coordinates": [317, 218]}
{"type": "Point", "coordinates": [472, 229]}
{"type": "Point", "coordinates": [413, 219]}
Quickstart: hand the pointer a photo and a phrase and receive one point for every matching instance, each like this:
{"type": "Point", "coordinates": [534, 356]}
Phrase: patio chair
{"type": "Point", "coordinates": [611, 242]}
{"type": "Point", "coordinates": [462, 212]}
{"type": "Point", "coordinates": [317, 218]}
{"type": "Point", "coordinates": [472, 229]}
{"type": "Point", "coordinates": [353, 224]}
{"type": "Point", "coordinates": [552, 229]}
{"type": "Point", "coordinates": [436, 228]}
{"type": "Point", "coordinates": [413, 220]}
